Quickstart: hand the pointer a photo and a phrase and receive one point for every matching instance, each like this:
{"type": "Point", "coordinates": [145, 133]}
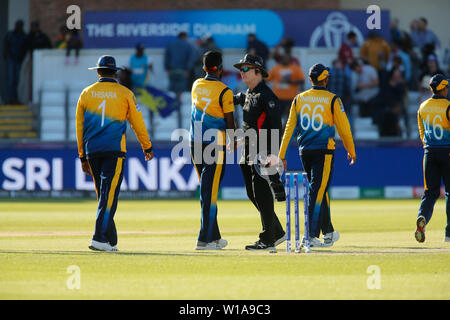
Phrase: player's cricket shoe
{"type": "Point", "coordinates": [330, 238]}
{"type": "Point", "coordinates": [313, 242]}
{"type": "Point", "coordinates": [420, 231]}
{"type": "Point", "coordinates": [259, 245]}
{"type": "Point", "coordinates": [114, 248]}
{"type": "Point", "coordinates": [280, 240]}
{"type": "Point", "coordinates": [222, 243]}
{"type": "Point", "coordinates": [100, 246]}
{"type": "Point", "coordinates": [213, 245]}
{"type": "Point", "coordinates": [447, 239]}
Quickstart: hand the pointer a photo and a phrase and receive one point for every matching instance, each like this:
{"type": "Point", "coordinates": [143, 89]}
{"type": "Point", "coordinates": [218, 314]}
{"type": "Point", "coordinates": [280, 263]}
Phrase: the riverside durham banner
{"type": "Point", "coordinates": [155, 29]}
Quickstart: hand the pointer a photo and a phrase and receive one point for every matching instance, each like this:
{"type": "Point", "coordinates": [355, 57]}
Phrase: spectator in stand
{"type": "Point", "coordinates": [125, 78]}
{"type": "Point", "coordinates": [389, 125]}
{"type": "Point", "coordinates": [431, 67]}
{"type": "Point", "coordinates": [405, 60]}
{"type": "Point", "coordinates": [376, 51]}
{"type": "Point", "coordinates": [204, 44]}
{"type": "Point", "coordinates": [285, 48]}
{"type": "Point", "coordinates": [339, 83]}
{"type": "Point", "coordinates": [257, 47]}
{"type": "Point", "coordinates": [446, 59]}
{"type": "Point", "coordinates": [345, 53]}
{"type": "Point", "coordinates": [178, 61]}
{"type": "Point", "coordinates": [423, 36]}
{"type": "Point", "coordinates": [427, 51]}
{"type": "Point", "coordinates": [396, 34]}
{"type": "Point", "coordinates": [14, 51]}
{"type": "Point", "coordinates": [288, 79]}
{"type": "Point", "coordinates": [73, 43]}
{"type": "Point", "coordinates": [37, 39]}
{"type": "Point", "coordinates": [140, 65]}
{"type": "Point", "coordinates": [414, 54]}
{"type": "Point", "coordinates": [396, 95]}
{"type": "Point", "coordinates": [61, 40]}
{"type": "Point", "coordinates": [208, 44]}
{"type": "Point", "coordinates": [401, 37]}
{"type": "Point", "coordinates": [424, 89]}
{"type": "Point", "coordinates": [413, 27]}
{"type": "Point", "coordinates": [366, 88]}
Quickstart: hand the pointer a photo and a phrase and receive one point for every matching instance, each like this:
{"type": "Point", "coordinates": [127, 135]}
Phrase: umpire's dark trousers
{"type": "Point", "coordinates": [260, 194]}
{"type": "Point", "coordinates": [319, 165]}
{"type": "Point", "coordinates": [436, 167]}
{"type": "Point", "coordinates": [210, 176]}
{"type": "Point", "coordinates": [108, 175]}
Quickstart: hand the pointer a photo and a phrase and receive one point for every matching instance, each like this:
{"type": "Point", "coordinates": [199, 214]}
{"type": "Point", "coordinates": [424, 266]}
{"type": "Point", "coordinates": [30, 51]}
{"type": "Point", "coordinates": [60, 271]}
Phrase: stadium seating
{"type": "Point", "coordinates": [58, 94]}
{"type": "Point", "coordinates": [17, 122]}
{"type": "Point", "coordinates": [364, 129]}
{"type": "Point", "coordinates": [53, 111]}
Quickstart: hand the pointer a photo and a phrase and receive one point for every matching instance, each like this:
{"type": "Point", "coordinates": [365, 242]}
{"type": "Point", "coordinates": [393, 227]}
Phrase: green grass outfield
{"type": "Point", "coordinates": [40, 240]}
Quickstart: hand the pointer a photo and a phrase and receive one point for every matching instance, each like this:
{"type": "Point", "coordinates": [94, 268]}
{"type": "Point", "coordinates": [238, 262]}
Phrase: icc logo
{"type": "Point", "coordinates": [336, 27]}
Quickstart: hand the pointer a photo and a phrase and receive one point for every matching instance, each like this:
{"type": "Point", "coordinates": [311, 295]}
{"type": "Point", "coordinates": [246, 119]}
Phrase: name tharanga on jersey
{"type": "Point", "coordinates": [102, 111]}
{"type": "Point", "coordinates": [313, 116]}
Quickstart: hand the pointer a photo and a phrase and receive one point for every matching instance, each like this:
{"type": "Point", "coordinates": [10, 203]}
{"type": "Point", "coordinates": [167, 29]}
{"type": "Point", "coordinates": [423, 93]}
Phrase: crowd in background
{"type": "Point", "coordinates": [18, 48]}
{"type": "Point", "coordinates": [376, 75]}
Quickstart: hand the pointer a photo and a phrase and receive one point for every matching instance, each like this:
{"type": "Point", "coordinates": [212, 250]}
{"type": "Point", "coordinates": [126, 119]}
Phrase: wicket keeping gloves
{"type": "Point", "coordinates": [239, 99]}
{"type": "Point", "coordinates": [277, 187]}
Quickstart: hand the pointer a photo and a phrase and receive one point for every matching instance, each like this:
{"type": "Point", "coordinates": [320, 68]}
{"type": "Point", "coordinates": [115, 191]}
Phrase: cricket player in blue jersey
{"type": "Point", "coordinates": [102, 112]}
{"type": "Point", "coordinates": [433, 119]}
{"type": "Point", "coordinates": [212, 114]}
{"type": "Point", "coordinates": [312, 120]}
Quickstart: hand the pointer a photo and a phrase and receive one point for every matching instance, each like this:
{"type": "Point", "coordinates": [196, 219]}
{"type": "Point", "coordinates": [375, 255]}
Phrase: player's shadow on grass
{"type": "Point", "coordinates": [120, 253]}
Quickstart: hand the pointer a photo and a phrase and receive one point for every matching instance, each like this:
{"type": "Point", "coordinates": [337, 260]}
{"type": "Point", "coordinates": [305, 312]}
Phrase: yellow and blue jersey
{"type": "Point", "coordinates": [102, 111]}
{"type": "Point", "coordinates": [211, 99]}
{"type": "Point", "coordinates": [433, 120]}
{"type": "Point", "coordinates": [312, 119]}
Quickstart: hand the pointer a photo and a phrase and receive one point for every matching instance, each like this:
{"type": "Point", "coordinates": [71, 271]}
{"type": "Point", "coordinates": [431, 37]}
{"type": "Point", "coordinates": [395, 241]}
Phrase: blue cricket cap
{"type": "Point", "coordinates": [438, 82]}
{"type": "Point", "coordinates": [106, 62]}
{"type": "Point", "coordinates": [318, 72]}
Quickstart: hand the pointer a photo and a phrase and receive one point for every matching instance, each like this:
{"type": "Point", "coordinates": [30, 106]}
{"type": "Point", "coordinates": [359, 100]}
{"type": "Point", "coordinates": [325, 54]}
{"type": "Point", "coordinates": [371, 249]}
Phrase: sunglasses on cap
{"type": "Point", "coordinates": [246, 69]}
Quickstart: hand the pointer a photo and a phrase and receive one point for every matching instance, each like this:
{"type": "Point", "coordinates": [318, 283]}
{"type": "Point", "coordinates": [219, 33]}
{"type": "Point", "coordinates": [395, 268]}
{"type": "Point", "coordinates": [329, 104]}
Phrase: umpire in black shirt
{"type": "Point", "coordinates": [261, 115]}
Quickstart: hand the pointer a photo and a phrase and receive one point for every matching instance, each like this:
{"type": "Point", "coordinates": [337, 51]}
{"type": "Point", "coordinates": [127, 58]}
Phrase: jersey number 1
{"type": "Point", "coordinates": [103, 107]}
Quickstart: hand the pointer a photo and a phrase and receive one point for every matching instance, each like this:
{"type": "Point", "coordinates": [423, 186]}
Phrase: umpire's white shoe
{"type": "Point", "coordinates": [330, 238]}
{"type": "Point", "coordinates": [213, 245]}
{"type": "Point", "coordinates": [100, 246]}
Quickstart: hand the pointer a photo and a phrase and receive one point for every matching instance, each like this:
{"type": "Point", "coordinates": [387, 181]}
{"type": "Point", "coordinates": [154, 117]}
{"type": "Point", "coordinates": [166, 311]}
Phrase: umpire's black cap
{"type": "Point", "coordinates": [253, 60]}
{"type": "Point", "coordinates": [438, 82]}
{"type": "Point", "coordinates": [318, 72]}
{"type": "Point", "coordinates": [106, 62]}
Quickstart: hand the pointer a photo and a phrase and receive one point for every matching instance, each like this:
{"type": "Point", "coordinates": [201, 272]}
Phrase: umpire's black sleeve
{"type": "Point", "coordinates": [272, 109]}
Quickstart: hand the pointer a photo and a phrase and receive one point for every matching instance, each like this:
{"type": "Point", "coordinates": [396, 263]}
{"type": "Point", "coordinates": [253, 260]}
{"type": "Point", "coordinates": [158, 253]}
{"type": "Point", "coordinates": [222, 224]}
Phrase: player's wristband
{"type": "Point", "coordinates": [148, 150]}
